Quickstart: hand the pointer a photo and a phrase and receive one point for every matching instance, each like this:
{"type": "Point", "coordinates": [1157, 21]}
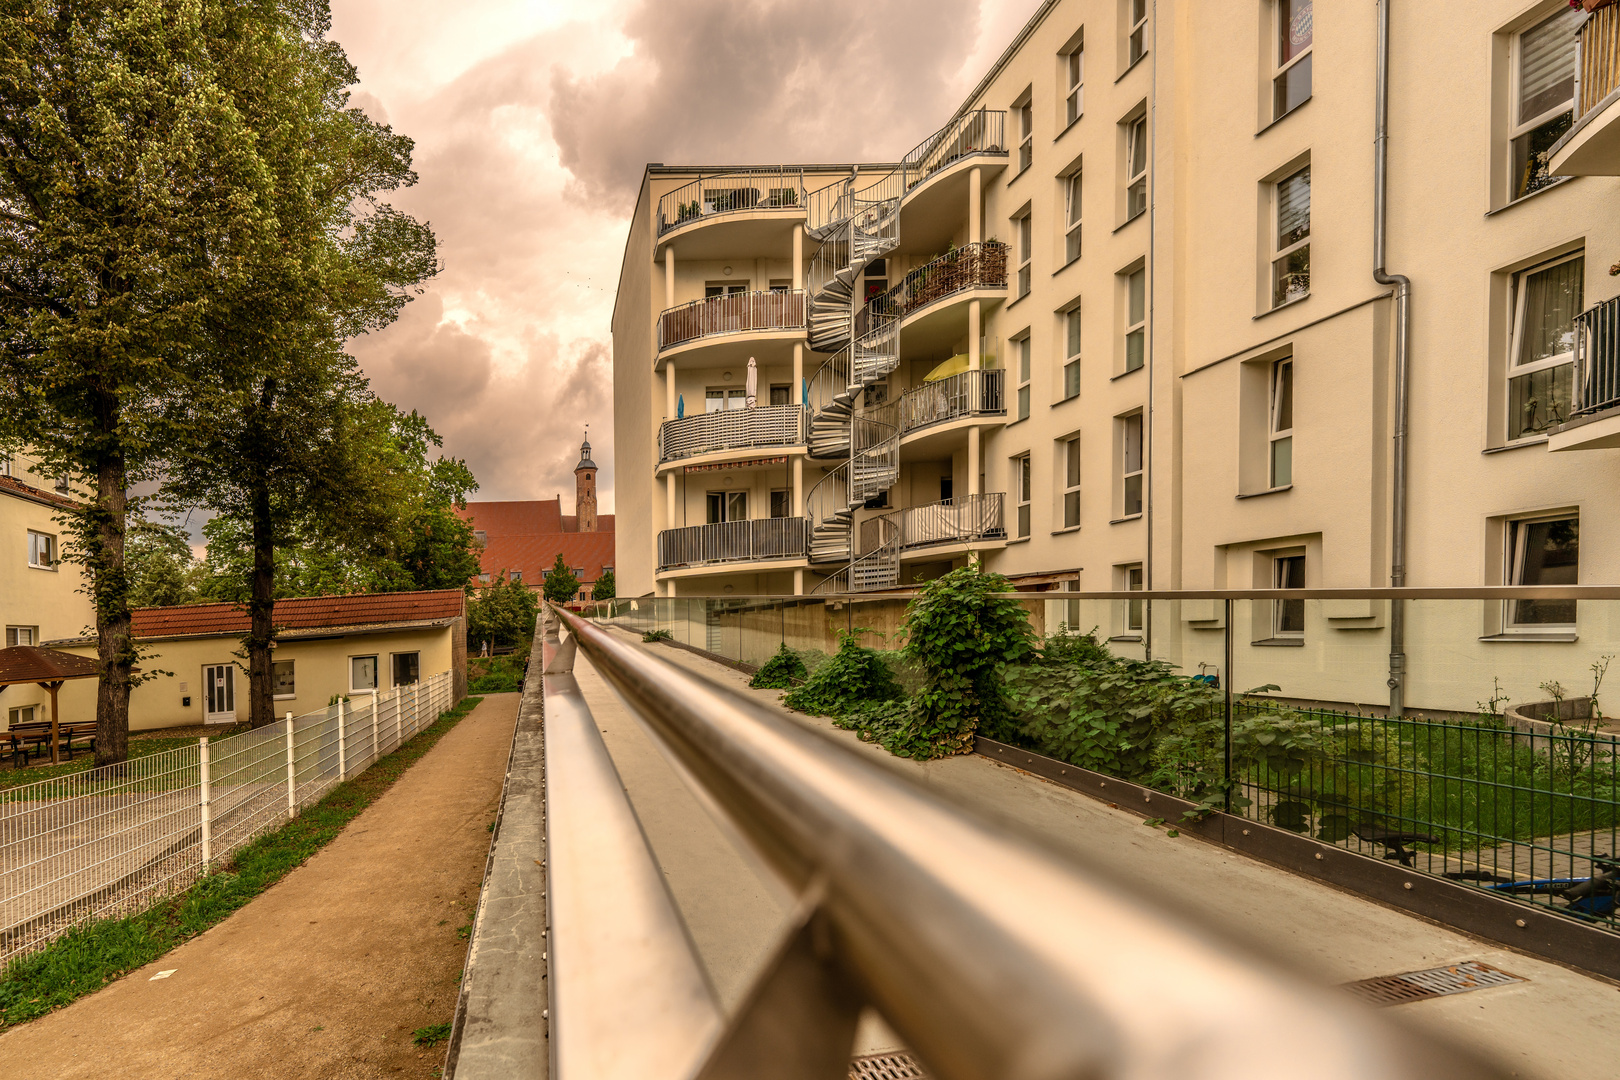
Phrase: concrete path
{"type": "Point", "coordinates": [330, 971]}
{"type": "Point", "coordinates": [1555, 1025]}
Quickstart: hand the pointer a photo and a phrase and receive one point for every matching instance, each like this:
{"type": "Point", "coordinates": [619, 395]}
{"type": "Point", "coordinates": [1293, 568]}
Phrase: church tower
{"type": "Point", "coordinates": [585, 489]}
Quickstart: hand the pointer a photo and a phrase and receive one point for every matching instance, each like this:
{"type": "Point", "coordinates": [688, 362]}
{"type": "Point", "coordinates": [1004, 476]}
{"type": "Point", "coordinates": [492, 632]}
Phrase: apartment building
{"type": "Point", "coordinates": [40, 598]}
{"type": "Point", "coordinates": [1118, 323]}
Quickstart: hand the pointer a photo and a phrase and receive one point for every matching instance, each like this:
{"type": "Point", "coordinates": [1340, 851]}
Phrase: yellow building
{"type": "Point", "coordinates": [326, 646]}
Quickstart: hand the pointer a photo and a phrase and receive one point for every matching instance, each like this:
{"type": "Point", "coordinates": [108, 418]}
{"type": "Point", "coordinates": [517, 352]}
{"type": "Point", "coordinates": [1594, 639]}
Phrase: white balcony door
{"type": "Point", "coordinates": [219, 694]}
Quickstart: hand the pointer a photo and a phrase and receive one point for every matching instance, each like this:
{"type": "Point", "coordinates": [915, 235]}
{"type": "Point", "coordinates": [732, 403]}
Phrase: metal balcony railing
{"type": "Point", "coordinates": [734, 541]}
{"type": "Point", "coordinates": [952, 521]}
{"type": "Point", "coordinates": [730, 193]}
{"type": "Point", "coordinates": [981, 131]}
{"type": "Point", "coordinates": [974, 266]}
{"type": "Point", "coordinates": [1599, 64]}
{"type": "Point", "coordinates": [1597, 353]}
{"type": "Point", "coordinates": [733, 429]}
{"type": "Point", "coordinates": [774, 310]}
{"type": "Point", "coordinates": [969, 393]}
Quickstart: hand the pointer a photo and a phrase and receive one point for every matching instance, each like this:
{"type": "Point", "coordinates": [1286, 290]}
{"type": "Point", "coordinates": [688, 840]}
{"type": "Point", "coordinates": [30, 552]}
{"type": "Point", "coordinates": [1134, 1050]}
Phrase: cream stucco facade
{"type": "Point", "coordinates": [1186, 193]}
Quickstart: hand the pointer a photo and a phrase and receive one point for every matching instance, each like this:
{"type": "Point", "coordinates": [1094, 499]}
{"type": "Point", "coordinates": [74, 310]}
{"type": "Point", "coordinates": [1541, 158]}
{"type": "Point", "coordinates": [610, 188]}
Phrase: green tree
{"type": "Point", "coordinates": [605, 586]}
{"type": "Point", "coordinates": [132, 201]}
{"type": "Point", "coordinates": [502, 613]}
{"type": "Point", "coordinates": [162, 570]}
{"type": "Point", "coordinates": [561, 584]}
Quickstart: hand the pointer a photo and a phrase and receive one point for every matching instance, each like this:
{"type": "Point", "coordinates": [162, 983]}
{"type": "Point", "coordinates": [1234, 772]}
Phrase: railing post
{"type": "Point", "coordinates": [375, 754]}
{"type": "Point", "coordinates": [1226, 722]}
{"type": "Point", "coordinates": [204, 803]}
{"type": "Point", "coordinates": [292, 773]}
{"type": "Point", "coordinates": [343, 744]}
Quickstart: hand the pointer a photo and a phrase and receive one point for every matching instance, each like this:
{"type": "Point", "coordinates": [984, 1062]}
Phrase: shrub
{"type": "Point", "coordinates": [658, 635]}
{"type": "Point", "coordinates": [851, 679]}
{"type": "Point", "coordinates": [783, 671]}
{"type": "Point", "coordinates": [606, 586]}
{"type": "Point", "coordinates": [561, 584]}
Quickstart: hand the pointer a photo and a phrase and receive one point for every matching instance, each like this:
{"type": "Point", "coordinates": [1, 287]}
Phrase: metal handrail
{"type": "Point", "coordinates": [1597, 354]}
{"type": "Point", "coordinates": [978, 132]}
{"type": "Point", "coordinates": [987, 953]}
{"type": "Point", "coordinates": [734, 314]}
{"type": "Point", "coordinates": [731, 192]}
{"type": "Point", "coordinates": [1472, 592]}
{"type": "Point", "coordinates": [731, 429]}
{"type": "Point", "coordinates": [949, 521]}
{"type": "Point", "coordinates": [977, 392]}
{"type": "Point", "coordinates": [753, 540]}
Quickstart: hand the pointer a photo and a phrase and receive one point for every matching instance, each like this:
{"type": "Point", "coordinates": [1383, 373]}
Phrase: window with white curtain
{"type": "Point", "coordinates": [1291, 251]}
{"type": "Point", "coordinates": [1541, 355]}
{"type": "Point", "coordinates": [1543, 98]}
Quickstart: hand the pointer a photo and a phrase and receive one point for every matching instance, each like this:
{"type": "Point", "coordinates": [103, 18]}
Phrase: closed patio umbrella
{"type": "Point", "coordinates": [680, 407]}
{"type": "Point", "coordinates": [751, 387]}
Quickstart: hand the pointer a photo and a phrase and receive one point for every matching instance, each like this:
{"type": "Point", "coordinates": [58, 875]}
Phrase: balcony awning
{"type": "Point", "coordinates": [954, 366]}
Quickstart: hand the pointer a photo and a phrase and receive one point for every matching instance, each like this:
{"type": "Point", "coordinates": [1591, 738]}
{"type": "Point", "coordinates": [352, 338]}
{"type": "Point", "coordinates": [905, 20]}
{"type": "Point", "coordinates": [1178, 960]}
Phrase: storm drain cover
{"type": "Point", "coordinates": [895, 1066]}
{"type": "Point", "coordinates": [1434, 982]}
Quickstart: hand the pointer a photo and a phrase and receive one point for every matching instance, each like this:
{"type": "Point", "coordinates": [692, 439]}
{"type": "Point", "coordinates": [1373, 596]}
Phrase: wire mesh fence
{"type": "Point", "coordinates": [109, 841]}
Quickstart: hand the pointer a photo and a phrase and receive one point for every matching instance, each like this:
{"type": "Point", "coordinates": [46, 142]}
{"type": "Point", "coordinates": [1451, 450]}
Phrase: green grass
{"type": "Point", "coordinates": [432, 1035]}
{"type": "Point", "coordinates": [496, 674]}
{"type": "Point", "coordinates": [89, 956]}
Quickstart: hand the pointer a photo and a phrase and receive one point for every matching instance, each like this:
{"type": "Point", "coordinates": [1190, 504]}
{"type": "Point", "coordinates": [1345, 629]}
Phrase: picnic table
{"type": "Point", "coordinates": [50, 668]}
{"type": "Point", "coordinates": [37, 734]}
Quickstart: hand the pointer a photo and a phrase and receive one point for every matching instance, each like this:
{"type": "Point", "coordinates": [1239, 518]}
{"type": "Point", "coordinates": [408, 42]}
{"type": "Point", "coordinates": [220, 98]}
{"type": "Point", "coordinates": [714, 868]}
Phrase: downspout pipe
{"type": "Point", "coordinates": [1403, 315]}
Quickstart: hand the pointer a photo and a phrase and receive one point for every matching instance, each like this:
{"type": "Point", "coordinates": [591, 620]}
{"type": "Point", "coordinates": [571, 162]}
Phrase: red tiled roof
{"type": "Point", "coordinates": [303, 613]}
{"type": "Point", "coordinates": [14, 486]}
{"type": "Point", "coordinates": [526, 537]}
{"type": "Point", "coordinates": [27, 664]}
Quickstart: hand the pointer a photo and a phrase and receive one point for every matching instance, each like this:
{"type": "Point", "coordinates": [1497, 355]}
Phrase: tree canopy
{"type": "Point", "coordinates": [561, 584]}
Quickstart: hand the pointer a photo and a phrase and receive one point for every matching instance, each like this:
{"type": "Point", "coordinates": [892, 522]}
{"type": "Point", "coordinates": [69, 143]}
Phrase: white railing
{"type": "Point", "coordinates": [734, 314]}
{"type": "Point", "coordinates": [977, 132]}
{"type": "Point", "coordinates": [730, 193]}
{"type": "Point", "coordinates": [977, 392]}
{"type": "Point", "coordinates": [952, 521]}
{"type": "Point", "coordinates": [731, 429]}
{"type": "Point", "coordinates": [733, 541]}
{"type": "Point", "coordinates": [109, 841]}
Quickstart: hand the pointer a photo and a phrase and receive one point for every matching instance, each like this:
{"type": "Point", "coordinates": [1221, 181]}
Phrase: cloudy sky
{"type": "Point", "coordinates": [533, 120]}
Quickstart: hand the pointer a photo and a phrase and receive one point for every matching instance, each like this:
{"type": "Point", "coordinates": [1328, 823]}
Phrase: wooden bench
{"type": "Point", "coordinates": [37, 734]}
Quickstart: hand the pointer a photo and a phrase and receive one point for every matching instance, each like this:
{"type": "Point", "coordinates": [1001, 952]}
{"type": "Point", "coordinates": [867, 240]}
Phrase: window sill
{"type": "Point", "coordinates": [1130, 67]}
{"type": "Point", "coordinates": [1014, 302]}
{"type": "Point", "coordinates": [1013, 423]}
{"type": "Point", "coordinates": [50, 569]}
{"type": "Point", "coordinates": [1280, 642]}
{"type": "Point", "coordinates": [1122, 374]}
{"type": "Point", "coordinates": [1065, 266]}
{"type": "Point", "coordinates": [1519, 444]}
{"type": "Point", "coordinates": [1283, 117]}
{"type": "Point", "coordinates": [1123, 520]}
{"type": "Point", "coordinates": [1064, 532]}
{"type": "Point", "coordinates": [1522, 199]}
{"type": "Point", "coordinates": [1282, 307]}
{"type": "Point", "coordinates": [1268, 491]}
{"type": "Point", "coordinates": [1566, 636]}
{"type": "Point", "coordinates": [1127, 637]}
{"type": "Point", "coordinates": [1134, 217]}
{"type": "Point", "coordinates": [1069, 126]}
{"type": "Point", "coordinates": [1064, 401]}
{"type": "Point", "coordinates": [1018, 540]}
{"type": "Point", "coordinates": [1013, 179]}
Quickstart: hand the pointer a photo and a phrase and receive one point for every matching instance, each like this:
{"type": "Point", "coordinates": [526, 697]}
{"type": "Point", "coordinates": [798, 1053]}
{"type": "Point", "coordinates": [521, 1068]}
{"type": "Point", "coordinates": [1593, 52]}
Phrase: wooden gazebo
{"type": "Point", "coordinates": [49, 668]}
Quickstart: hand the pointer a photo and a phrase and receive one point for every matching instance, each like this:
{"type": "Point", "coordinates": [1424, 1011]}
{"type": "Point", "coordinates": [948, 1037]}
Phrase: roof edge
{"type": "Point", "coordinates": [1000, 65]}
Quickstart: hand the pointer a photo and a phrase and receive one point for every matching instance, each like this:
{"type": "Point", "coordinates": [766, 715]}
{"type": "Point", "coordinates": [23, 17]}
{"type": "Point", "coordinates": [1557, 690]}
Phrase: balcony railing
{"type": "Point", "coordinates": [953, 521]}
{"type": "Point", "coordinates": [1599, 39]}
{"type": "Point", "coordinates": [734, 541]}
{"type": "Point", "coordinates": [975, 266]}
{"type": "Point", "coordinates": [730, 193]}
{"type": "Point", "coordinates": [733, 429]}
{"type": "Point", "coordinates": [969, 393]}
{"type": "Point", "coordinates": [732, 314]}
{"type": "Point", "coordinates": [1597, 353]}
{"type": "Point", "coordinates": [978, 132]}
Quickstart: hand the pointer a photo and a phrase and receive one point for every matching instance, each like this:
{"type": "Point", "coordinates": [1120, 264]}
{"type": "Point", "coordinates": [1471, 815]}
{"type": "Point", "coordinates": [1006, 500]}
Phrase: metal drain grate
{"type": "Point", "coordinates": [1434, 982]}
{"type": "Point", "coordinates": [896, 1066]}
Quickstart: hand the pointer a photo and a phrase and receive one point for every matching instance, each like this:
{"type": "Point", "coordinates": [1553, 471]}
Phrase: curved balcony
{"type": "Point", "coordinates": [964, 269]}
{"type": "Point", "coordinates": [733, 542]}
{"type": "Point", "coordinates": [764, 426]}
{"type": "Point", "coordinates": [936, 198]}
{"type": "Point", "coordinates": [754, 205]}
{"type": "Point", "coordinates": [770, 313]}
{"type": "Point", "coordinates": [970, 520]}
{"type": "Point", "coordinates": [975, 393]}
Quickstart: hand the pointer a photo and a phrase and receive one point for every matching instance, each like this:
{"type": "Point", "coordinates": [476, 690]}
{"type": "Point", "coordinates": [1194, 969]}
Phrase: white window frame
{"type": "Point", "coordinates": [275, 685]}
{"type": "Point", "coordinates": [21, 714]}
{"type": "Point", "coordinates": [1072, 207]}
{"type": "Point", "coordinates": [1024, 229]}
{"type": "Point", "coordinates": [1024, 347]}
{"type": "Point", "coordinates": [15, 635]}
{"type": "Point", "coordinates": [1281, 252]}
{"type": "Point", "coordinates": [1281, 563]}
{"type": "Point", "coordinates": [376, 673]}
{"type": "Point", "coordinates": [1132, 610]}
{"type": "Point", "coordinates": [1126, 473]}
{"type": "Point", "coordinates": [1136, 35]}
{"type": "Point", "coordinates": [1135, 322]}
{"type": "Point", "coordinates": [726, 505]}
{"type": "Point", "coordinates": [1074, 77]}
{"type": "Point", "coordinates": [62, 484]}
{"type": "Point", "coordinates": [1136, 167]}
{"type": "Point", "coordinates": [1072, 345]}
{"type": "Point", "coordinates": [1281, 68]}
{"type": "Point", "coordinates": [1520, 294]}
{"type": "Point", "coordinates": [1276, 433]}
{"type": "Point", "coordinates": [51, 557]}
{"type": "Point", "coordinates": [1026, 132]}
{"type": "Point", "coordinates": [1513, 559]}
{"type": "Point", "coordinates": [1071, 463]}
{"type": "Point", "coordinates": [1518, 129]}
{"type": "Point", "coordinates": [1023, 483]}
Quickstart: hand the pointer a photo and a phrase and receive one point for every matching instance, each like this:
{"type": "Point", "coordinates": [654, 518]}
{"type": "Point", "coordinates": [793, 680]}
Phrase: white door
{"type": "Point", "coordinates": [219, 694]}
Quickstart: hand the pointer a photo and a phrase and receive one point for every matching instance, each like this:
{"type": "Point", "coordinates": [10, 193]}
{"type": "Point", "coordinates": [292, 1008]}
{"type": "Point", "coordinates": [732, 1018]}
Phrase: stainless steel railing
{"type": "Point", "coordinates": [732, 314]}
{"type": "Point", "coordinates": [978, 392]}
{"type": "Point", "coordinates": [731, 192]}
{"type": "Point", "coordinates": [733, 541]}
{"type": "Point", "coordinates": [978, 132]}
{"type": "Point", "coordinates": [987, 953]}
{"type": "Point", "coordinates": [1597, 352]}
{"type": "Point", "coordinates": [950, 521]}
{"type": "Point", "coordinates": [731, 429]}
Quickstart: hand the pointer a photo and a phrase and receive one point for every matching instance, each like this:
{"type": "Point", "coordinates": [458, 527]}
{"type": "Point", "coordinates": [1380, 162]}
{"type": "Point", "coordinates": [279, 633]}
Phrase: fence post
{"type": "Point", "coordinates": [1226, 719]}
{"type": "Point", "coordinates": [203, 803]}
{"type": "Point", "coordinates": [292, 773]}
{"type": "Point", "coordinates": [343, 746]}
{"type": "Point", "coordinates": [376, 751]}
{"type": "Point", "coordinates": [399, 718]}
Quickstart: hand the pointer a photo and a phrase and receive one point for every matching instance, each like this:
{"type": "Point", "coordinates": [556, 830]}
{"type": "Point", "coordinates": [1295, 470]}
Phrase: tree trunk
{"type": "Point", "coordinates": [262, 601]}
{"type": "Point", "coordinates": [115, 645]}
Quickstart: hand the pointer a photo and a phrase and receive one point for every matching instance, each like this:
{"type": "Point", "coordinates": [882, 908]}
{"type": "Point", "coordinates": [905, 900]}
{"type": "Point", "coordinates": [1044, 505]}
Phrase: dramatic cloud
{"type": "Point", "coordinates": [533, 122]}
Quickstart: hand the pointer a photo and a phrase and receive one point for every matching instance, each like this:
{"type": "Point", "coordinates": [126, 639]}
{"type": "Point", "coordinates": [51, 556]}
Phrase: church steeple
{"type": "Point", "coordinates": [585, 488]}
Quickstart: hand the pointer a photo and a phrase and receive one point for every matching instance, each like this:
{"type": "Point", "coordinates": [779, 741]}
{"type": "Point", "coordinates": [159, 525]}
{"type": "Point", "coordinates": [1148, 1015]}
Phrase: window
{"type": "Point", "coordinates": [877, 280]}
{"type": "Point", "coordinates": [1026, 241]}
{"type": "Point", "coordinates": [727, 506]}
{"type": "Point", "coordinates": [1288, 616]}
{"type": "Point", "coordinates": [41, 550]}
{"type": "Point", "coordinates": [21, 635]}
{"type": "Point", "coordinates": [1071, 366]}
{"type": "Point", "coordinates": [1282, 423]}
{"type": "Point", "coordinates": [1291, 259]}
{"type": "Point", "coordinates": [578, 572]}
{"type": "Point", "coordinates": [5, 464]}
{"type": "Point", "coordinates": [517, 575]}
{"type": "Point", "coordinates": [362, 673]}
{"type": "Point", "coordinates": [724, 288]}
{"type": "Point", "coordinates": [481, 536]}
{"type": "Point", "coordinates": [22, 715]}
{"type": "Point", "coordinates": [724, 398]}
{"type": "Point", "coordinates": [1136, 157]}
{"type": "Point", "coordinates": [1136, 43]}
{"type": "Point", "coordinates": [1135, 319]}
{"type": "Point", "coordinates": [1023, 347]}
{"type": "Point", "coordinates": [1543, 551]}
{"type": "Point", "coordinates": [1291, 85]}
{"type": "Point", "coordinates": [1026, 133]}
{"type": "Point", "coordinates": [1071, 608]}
{"type": "Point", "coordinates": [781, 393]}
{"type": "Point", "coordinates": [1022, 478]}
{"type": "Point", "coordinates": [1071, 217]}
{"type": "Point", "coordinates": [408, 666]}
{"type": "Point", "coordinates": [62, 484]}
{"type": "Point", "coordinates": [1131, 463]}
{"type": "Point", "coordinates": [1071, 483]}
{"type": "Point", "coordinates": [281, 679]}
{"type": "Point", "coordinates": [1543, 105]}
{"type": "Point", "coordinates": [1541, 357]}
{"type": "Point", "coordinates": [781, 503]}
{"type": "Point", "coordinates": [876, 393]}
{"type": "Point", "coordinates": [1074, 100]}
{"type": "Point", "coordinates": [1132, 580]}
{"type": "Point", "coordinates": [483, 579]}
